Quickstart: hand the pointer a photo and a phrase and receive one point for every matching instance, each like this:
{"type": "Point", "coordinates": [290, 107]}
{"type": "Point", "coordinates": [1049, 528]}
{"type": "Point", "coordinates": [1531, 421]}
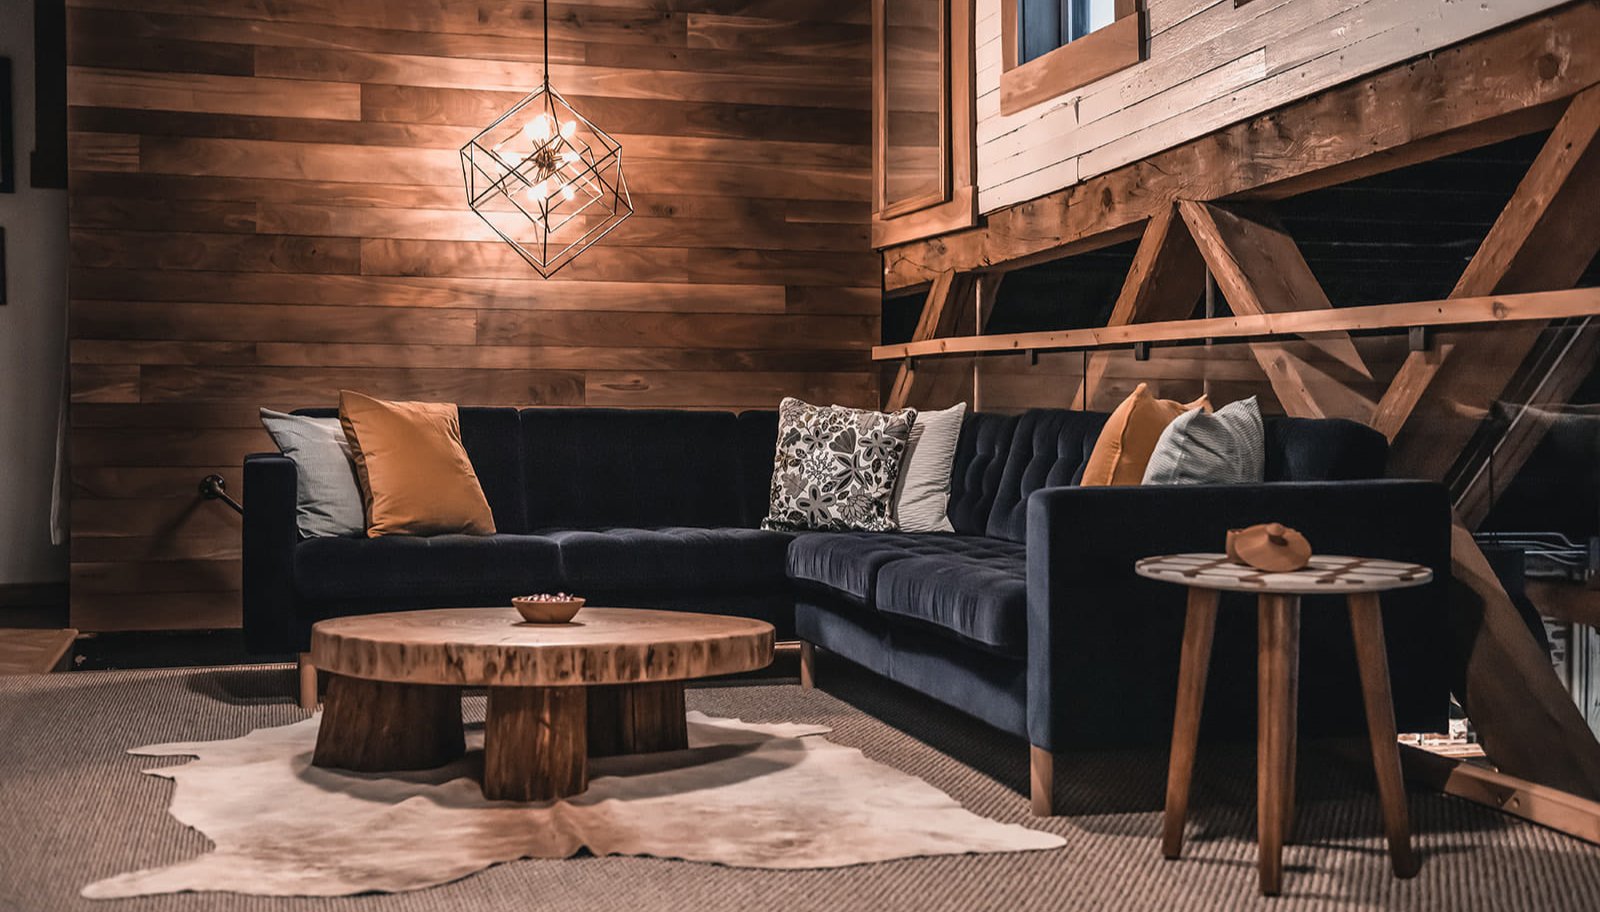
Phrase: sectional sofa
{"type": "Point", "coordinates": [1028, 616]}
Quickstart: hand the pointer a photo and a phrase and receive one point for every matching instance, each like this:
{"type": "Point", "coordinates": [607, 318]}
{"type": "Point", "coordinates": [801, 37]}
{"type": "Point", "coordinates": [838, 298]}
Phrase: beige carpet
{"type": "Point", "coordinates": [775, 795]}
{"type": "Point", "coordinates": [75, 808]}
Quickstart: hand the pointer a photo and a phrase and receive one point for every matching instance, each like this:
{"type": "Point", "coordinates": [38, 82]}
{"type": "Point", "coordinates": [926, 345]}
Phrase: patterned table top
{"type": "Point", "coordinates": [1325, 573]}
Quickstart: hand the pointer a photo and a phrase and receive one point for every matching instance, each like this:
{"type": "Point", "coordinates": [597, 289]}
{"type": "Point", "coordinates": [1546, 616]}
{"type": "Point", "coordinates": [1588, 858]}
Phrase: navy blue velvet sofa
{"type": "Point", "coordinates": [1028, 616]}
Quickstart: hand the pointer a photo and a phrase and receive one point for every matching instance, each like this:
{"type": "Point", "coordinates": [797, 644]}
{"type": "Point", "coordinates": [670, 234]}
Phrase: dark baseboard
{"type": "Point", "coordinates": [33, 595]}
{"type": "Point", "coordinates": [33, 605]}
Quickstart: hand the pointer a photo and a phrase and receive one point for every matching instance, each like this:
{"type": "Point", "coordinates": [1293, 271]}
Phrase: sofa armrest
{"type": "Point", "coordinates": [270, 534]}
{"type": "Point", "coordinates": [1103, 642]}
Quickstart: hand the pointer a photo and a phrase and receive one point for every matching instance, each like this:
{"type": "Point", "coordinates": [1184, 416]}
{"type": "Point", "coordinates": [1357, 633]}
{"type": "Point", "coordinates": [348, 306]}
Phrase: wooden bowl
{"type": "Point", "coordinates": [547, 611]}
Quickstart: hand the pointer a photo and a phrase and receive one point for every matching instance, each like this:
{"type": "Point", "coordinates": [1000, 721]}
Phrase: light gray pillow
{"type": "Point", "coordinates": [922, 495]}
{"type": "Point", "coordinates": [1227, 446]}
{"type": "Point", "coordinates": [327, 493]}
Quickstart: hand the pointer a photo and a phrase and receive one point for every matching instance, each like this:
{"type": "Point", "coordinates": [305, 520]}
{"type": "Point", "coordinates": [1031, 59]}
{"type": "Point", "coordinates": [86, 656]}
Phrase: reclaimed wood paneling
{"type": "Point", "coordinates": [1209, 63]}
{"type": "Point", "coordinates": [266, 206]}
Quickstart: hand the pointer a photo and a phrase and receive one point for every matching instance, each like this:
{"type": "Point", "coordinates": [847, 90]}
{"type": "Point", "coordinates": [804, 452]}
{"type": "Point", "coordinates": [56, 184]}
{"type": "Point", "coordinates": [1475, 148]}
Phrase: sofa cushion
{"type": "Point", "coordinates": [1323, 449]}
{"type": "Point", "coordinates": [638, 468]}
{"type": "Point", "coordinates": [674, 559]}
{"type": "Point", "coordinates": [443, 570]}
{"type": "Point", "coordinates": [979, 593]}
{"type": "Point", "coordinates": [1048, 448]}
{"type": "Point", "coordinates": [848, 564]}
{"type": "Point", "coordinates": [975, 477]}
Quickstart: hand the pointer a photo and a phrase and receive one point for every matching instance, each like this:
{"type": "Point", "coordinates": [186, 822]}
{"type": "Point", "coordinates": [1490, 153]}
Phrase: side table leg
{"type": "Point", "coordinates": [380, 726]}
{"type": "Point", "coordinates": [535, 743]}
{"type": "Point", "coordinates": [1366, 626]}
{"type": "Point", "coordinates": [1278, 644]}
{"type": "Point", "coordinates": [1198, 630]}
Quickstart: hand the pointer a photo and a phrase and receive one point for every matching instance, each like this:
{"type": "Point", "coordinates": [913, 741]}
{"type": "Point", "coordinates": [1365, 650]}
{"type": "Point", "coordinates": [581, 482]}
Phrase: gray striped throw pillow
{"type": "Point", "coordinates": [1227, 446]}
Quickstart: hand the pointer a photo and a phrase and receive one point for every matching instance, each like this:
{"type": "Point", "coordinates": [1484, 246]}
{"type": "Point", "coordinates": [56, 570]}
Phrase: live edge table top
{"type": "Point", "coordinates": [494, 647]}
{"type": "Point", "coordinates": [1326, 573]}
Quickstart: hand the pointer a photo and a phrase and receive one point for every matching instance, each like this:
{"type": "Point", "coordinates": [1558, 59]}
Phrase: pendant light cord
{"type": "Point", "coordinates": [547, 45]}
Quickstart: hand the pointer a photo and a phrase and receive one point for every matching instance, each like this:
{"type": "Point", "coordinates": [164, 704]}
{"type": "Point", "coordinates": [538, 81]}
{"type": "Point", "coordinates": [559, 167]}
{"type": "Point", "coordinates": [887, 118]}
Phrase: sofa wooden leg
{"type": "Point", "coordinates": [1042, 778]}
{"type": "Point", "coordinates": [808, 665]}
{"type": "Point", "coordinates": [308, 682]}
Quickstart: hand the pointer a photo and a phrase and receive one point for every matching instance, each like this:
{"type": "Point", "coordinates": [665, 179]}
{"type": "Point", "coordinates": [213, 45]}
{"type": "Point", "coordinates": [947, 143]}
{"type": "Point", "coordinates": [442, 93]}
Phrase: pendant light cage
{"type": "Point", "coordinates": [545, 178]}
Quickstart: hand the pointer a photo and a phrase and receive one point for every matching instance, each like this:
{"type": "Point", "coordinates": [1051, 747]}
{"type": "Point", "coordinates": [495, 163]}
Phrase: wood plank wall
{"type": "Point", "coordinates": [1208, 63]}
{"type": "Point", "coordinates": [267, 207]}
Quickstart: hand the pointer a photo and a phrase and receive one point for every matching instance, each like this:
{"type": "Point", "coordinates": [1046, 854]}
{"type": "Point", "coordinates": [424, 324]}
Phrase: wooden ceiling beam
{"type": "Point", "coordinates": [1544, 239]}
{"type": "Point", "coordinates": [1495, 312]}
{"type": "Point", "coordinates": [1164, 282]}
{"type": "Point", "coordinates": [941, 314]}
{"type": "Point", "coordinates": [1526, 720]}
{"type": "Point", "coordinates": [1261, 271]}
{"type": "Point", "coordinates": [1468, 95]}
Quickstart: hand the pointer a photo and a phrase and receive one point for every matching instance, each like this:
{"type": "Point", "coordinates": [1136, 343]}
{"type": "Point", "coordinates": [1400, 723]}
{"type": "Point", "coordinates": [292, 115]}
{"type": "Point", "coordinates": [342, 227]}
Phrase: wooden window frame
{"type": "Point", "coordinates": [880, 107]}
{"type": "Point", "coordinates": [955, 205]}
{"type": "Point", "coordinates": [1073, 65]}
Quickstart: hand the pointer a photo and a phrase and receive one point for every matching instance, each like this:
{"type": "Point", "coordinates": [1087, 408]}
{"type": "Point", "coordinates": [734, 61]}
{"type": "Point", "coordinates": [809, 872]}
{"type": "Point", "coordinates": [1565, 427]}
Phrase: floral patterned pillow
{"type": "Point", "coordinates": [836, 468]}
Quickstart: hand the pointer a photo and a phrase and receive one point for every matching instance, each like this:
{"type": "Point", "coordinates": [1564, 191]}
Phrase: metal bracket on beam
{"type": "Point", "coordinates": [1033, 357]}
{"type": "Point", "coordinates": [1420, 338]}
{"type": "Point", "coordinates": [910, 364]}
{"type": "Point", "coordinates": [1141, 351]}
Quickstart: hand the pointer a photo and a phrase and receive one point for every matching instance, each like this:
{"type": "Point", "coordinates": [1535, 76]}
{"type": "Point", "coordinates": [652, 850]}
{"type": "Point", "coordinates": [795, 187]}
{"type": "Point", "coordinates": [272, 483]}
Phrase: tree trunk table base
{"type": "Point", "coordinates": [610, 683]}
{"type": "Point", "coordinates": [637, 719]}
{"type": "Point", "coordinates": [378, 726]}
{"type": "Point", "coordinates": [535, 743]}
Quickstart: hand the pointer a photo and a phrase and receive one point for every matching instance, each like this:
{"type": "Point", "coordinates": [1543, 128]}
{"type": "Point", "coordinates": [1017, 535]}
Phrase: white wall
{"type": "Point", "coordinates": [32, 329]}
{"type": "Point", "coordinates": [1209, 64]}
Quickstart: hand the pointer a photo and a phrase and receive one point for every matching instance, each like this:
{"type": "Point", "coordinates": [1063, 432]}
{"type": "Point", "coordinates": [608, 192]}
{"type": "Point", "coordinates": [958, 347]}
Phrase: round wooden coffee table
{"type": "Point", "coordinates": [609, 682]}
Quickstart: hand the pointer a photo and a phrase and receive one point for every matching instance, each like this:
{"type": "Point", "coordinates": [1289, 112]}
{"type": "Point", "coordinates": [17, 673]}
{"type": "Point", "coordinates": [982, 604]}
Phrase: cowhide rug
{"type": "Point", "coordinates": [743, 794]}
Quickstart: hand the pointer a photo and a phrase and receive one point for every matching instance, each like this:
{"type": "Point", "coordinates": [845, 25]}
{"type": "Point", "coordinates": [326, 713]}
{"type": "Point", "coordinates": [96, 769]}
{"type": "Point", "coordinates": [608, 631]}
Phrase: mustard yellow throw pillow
{"type": "Point", "coordinates": [414, 473]}
{"type": "Point", "coordinates": [1130, 436]}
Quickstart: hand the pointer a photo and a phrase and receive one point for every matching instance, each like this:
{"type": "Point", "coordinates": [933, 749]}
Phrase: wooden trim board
{"type": "Point", "coordinates": [1545, 305]}
{"type": "Point", "coordinates": [1548, 807]}
{"type": "Point", "coordinates": [959, 206]}
{"type": "Point", "coordinates": [35, 651]}
{"type": "Point", "coordinates": [1073, 65]}
{"type": "Point", "coordinates": [882, 205]}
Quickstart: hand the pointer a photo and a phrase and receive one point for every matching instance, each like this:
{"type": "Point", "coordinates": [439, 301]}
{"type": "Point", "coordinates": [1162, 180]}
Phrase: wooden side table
{"type": "Point", "coordinates": [1278, 672]}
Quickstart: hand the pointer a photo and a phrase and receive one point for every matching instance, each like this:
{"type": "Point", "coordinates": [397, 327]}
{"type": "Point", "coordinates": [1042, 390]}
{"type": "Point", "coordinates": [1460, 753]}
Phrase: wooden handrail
{"type": "Point", "coordinates": [1543, 305]}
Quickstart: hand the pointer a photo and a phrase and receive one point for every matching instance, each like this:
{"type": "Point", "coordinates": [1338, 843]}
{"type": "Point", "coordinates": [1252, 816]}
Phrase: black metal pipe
{"type": "Point", "coordinates": [215, 487]}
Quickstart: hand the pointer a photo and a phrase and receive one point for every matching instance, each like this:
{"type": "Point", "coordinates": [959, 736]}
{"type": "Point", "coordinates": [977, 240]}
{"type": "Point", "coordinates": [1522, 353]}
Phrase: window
{"type": "Point", "coordinates": [923, 119]}
{"type": "Point", "coordinates": [1049, 47]}
{"type": "Point", "coordinates": [1044, 25]}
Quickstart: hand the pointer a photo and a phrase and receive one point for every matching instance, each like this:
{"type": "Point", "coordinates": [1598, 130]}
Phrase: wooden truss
{"type": "Point", "coordinates": [1206, 207]}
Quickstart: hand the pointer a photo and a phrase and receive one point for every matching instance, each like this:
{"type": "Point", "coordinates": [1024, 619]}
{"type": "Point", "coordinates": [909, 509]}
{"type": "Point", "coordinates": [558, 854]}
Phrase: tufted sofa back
{"type": "Point", "coordinates": [1001, 459]}
{"type": "Point", "coordinates": [590, 467]}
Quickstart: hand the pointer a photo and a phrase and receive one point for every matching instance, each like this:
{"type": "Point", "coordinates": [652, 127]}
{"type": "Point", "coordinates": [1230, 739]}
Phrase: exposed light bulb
{"type": "Point", "coordinates": [569, 129]}
{"type": "Point", "coordinates": [538, 129]}
{"type": "Point", "coordinates": [567, 192]}
{"type": "Point", "coordinates": [569, 157]}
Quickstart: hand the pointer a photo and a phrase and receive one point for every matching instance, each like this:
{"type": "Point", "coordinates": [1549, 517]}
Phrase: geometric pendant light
{"type": "Point", "coordinates": [546, 179]}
